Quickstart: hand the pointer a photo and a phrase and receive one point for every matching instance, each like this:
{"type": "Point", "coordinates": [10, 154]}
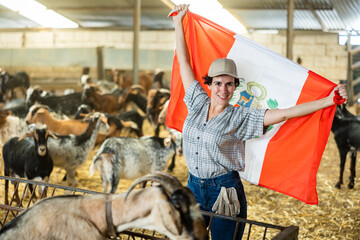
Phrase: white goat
{"type": "Point", "coordinates": [171, 210]}
{"type": "Point", "coordinates": [70, 151]}
{"type": "Point", "coordinates": [130, 158]}
{"type": "Point", "coordinates": [11, 126]}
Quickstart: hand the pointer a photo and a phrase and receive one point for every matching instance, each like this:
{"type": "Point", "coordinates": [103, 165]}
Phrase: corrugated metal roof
{"type": "Point", "coordinates": [349, 12]}
{"type": "Point", "coordinates": [263, 19]}
{"type": "Point", "coordinates": [305, 20]}
{"type": "Point", "coordinates": [275, 4]}
{"type": "Point", "coordinates": [331, 20]}
{"type": "Point", "coordinates": [277, 19]}
{"type": "Point", "coordinates": [333, 15]}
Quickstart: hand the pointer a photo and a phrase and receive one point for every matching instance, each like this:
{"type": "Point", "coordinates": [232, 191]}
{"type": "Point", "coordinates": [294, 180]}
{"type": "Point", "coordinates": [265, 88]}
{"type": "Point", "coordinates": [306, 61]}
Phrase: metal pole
{"type": "Point", "coordinates": [100, 63]}
{"type": "Point", "coordinates": [349, 83]}
{"type": "Point", "coordinates": [290, 30]}
{"type": "Point", "coordinates": [137, 14]}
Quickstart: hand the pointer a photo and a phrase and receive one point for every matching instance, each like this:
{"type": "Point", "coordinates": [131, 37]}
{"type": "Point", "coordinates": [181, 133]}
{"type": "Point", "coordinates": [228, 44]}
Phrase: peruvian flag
{"type": "Point", "coordinates": [287, 157]}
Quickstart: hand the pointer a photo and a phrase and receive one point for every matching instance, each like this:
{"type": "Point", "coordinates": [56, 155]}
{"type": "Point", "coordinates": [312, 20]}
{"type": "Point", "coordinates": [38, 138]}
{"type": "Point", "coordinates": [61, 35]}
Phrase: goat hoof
{"type": "Point", "coordinates": [338, 185]}
{"type": "Point", "coordinates": [350, 185]}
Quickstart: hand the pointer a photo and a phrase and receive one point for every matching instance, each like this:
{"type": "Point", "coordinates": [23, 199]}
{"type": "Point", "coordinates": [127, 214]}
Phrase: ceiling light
{"type": "Point", "coordinates": [214, 11]}
{"type": "Point", "coordinates": [39, 13]}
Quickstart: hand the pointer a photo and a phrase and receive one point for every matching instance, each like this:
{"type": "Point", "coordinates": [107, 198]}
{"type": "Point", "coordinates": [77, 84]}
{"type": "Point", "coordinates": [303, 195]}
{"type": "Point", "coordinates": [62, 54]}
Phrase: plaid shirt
{"type": "Point", "coordinates": [217, 146]}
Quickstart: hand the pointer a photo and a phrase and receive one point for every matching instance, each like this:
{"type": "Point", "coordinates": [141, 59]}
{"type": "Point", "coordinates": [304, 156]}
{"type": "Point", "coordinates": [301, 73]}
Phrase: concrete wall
{"type": "Point", "coordinates": [319, 52]}
{"type": "Point", "coordinates": [61, 54]}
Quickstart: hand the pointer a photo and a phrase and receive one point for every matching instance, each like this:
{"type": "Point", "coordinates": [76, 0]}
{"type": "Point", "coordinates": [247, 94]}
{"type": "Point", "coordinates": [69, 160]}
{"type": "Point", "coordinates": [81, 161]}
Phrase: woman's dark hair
{"type": "Point", "coordinates": [208, 80]}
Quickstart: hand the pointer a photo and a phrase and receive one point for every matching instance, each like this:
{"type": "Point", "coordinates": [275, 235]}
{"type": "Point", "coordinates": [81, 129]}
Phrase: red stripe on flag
{"type": "Point", "coordinates": [293, 155]}
{"type": "Point", "coordinates": [206, 41]}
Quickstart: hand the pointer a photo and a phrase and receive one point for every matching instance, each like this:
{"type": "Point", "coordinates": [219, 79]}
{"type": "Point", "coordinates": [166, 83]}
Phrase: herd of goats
{"type": "Point", "coordinates": [43, 130]}
{"type": "Point", "coordinates": [37, 134]}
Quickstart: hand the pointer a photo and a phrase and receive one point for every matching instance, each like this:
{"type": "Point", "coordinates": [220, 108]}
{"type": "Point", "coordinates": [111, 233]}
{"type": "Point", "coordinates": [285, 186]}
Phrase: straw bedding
{"type": "Point", "coordinates": [337, 216]}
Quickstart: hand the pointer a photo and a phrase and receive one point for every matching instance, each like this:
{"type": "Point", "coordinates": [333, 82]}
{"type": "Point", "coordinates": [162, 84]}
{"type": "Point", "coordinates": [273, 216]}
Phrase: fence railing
{"type": "Point", "coordinates": [17, 204]}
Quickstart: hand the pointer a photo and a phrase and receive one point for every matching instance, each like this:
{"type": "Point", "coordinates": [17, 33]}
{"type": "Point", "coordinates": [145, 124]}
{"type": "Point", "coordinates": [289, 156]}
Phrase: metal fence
{"type": "Point", "coordinates": [253, 229]}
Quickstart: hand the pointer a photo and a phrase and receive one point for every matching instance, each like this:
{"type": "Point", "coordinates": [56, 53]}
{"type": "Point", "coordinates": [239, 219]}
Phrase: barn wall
{"type": "Point", "coordinates": [318, 51]}
{"type": "Point", "coordinates": [61, 54]}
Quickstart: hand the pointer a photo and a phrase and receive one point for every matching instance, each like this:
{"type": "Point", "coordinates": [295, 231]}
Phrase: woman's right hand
{"type": "Point", "coordinates": [181, 9]}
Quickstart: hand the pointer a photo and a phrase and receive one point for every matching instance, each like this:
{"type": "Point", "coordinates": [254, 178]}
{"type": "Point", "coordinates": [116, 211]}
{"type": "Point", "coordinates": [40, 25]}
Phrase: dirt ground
{"type": "Point", "coordinates": [337, 216]}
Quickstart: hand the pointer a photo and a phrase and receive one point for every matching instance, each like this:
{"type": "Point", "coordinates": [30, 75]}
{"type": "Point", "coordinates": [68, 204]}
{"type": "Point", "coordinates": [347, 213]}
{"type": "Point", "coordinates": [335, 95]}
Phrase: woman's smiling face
{"type": "Point", "coordinates": [222, 89]}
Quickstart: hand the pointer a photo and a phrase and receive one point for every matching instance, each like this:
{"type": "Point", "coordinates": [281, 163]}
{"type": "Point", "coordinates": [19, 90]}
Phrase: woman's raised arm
{"type": "Point", "coordinates": [186, 72]}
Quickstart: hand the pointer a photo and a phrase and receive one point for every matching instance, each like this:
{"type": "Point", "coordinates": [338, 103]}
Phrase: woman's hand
{"type": "Point", "coordinates": [339, 94]}
{"type": "Point", "coordinates": [181, 9]}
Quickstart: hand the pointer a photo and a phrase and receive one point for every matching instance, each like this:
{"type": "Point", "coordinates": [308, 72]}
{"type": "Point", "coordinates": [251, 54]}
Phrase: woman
{"type": "Point", "coordinates": [214, 131]}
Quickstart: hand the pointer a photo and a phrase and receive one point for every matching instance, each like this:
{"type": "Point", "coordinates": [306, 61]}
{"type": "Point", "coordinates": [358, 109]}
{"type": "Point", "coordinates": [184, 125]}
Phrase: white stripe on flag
{"type": "Point", "coordinates": [273, 78]}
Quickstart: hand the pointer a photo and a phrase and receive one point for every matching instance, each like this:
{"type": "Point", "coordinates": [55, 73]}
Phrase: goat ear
{"type": "Point", "coordinates": [41, 110]}
{"type": "Point", "coordinates": [30, 134]}
{"type": "Point", "coordinates": [162, 101]}
{"type": "Point", "coordinates": [104, 119]}
{"type": "Point", "coordinates": [170, 218]}
{"type": "Point", "coordinates": [52, 135]}
{"type": "Point", "coordinates": [126, 124]}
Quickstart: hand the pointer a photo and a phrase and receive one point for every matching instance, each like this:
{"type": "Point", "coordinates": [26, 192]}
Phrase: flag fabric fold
{"type": "Point", "coordinates": [287, 157]}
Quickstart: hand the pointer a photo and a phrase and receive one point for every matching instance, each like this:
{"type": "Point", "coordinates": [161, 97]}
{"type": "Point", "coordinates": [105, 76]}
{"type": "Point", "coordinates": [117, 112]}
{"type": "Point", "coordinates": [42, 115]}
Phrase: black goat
{"type": "Point", "coordinates": [346, 129]}
{"type": "Point", "coordinates": [66, 104]}
{"type": "Point", "coordinates": [133, 96]}
{"type": "Point", "coordinates": [28, 158]}
{"type": "Point", "coordinates": [159, 79]}
{"type": "Point", "coordinates": [132, 116]}
{"type": "Point", "coordinates": [155, 104]}
{"type": "Point", "coordinates": [81, 111]}
{"type": "Point", "coordinates": [10, 82]}
{"type": "Point", "coordinates": [135, 117]}
{"type": "Point", "coordinates": [18, 107]}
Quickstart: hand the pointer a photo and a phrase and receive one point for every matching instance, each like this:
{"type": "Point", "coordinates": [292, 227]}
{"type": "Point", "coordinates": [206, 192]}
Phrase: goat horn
{"type": "Point", "coordinates": [170, 183]}
{"type": "Point", "coordinates": [25, 136]}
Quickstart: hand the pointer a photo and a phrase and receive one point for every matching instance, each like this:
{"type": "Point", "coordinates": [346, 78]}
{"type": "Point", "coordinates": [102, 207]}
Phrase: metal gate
{"type": "Point", "coordinates": [253, 229]}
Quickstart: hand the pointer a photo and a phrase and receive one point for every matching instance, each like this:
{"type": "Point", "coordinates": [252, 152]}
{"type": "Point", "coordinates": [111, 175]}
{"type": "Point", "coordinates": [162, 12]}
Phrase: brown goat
{"type": "Point", "coordinates": [40, 113]}
{"type": "Point", "coordinates": [106, 103]}
{"type": "Point", "coordinates": [126, 81]}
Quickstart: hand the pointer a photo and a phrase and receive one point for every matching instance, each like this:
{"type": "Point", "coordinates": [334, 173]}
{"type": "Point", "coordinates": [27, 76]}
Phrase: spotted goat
{"type": "Point", "coordinates": [129, 158]}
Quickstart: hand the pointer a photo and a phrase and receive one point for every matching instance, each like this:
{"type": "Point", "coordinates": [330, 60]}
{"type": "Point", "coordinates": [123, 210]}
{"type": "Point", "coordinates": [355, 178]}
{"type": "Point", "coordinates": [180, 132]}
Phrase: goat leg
{"type": "Point", "coordinates": [33, 196]}
{"type": "Point", "coordinates": [157, 130]}
{"type": "Point", "coordinates": [6, 192]}
{"type": "Point", "coordinates": [115, 179]}
{"type": "Point", "coordinates": [70, 177]}
{"type": "Point", "coordinates": [172, 164]}
{"type": "Point", "coordinates": [105, 184]}
{"type": "Point", "coordinates": [16, 196]}
{"type": "Point", "coordinates": [342, 165]}
{"type": "Point", "coordinates": [352, 170]}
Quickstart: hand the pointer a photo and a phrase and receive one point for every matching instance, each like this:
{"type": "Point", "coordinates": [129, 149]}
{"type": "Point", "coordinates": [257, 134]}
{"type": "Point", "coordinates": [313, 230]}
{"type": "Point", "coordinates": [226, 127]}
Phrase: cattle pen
{"type": "Point", "coordinates": [253, 229]}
